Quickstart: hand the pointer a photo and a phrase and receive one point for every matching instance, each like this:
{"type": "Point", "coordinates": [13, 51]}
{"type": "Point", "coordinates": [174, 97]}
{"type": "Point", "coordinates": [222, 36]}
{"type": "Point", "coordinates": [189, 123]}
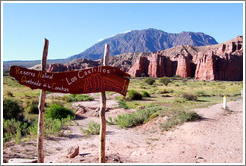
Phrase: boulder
{"type": "Point", "coordinates": [72, 151]}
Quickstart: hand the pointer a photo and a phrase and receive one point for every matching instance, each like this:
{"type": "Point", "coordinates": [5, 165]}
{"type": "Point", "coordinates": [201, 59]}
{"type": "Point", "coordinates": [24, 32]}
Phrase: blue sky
{"type": "Point", "coordinates": [73, 27]}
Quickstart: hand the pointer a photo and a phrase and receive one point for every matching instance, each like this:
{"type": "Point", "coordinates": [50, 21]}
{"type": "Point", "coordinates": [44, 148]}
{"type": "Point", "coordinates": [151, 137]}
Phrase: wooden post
{"type": "Point", "coordinates": [102, 113]}
{"type": "Point", "coordinates": [224, 102]}
{"type": "Point", "coordinates": [40, 149]}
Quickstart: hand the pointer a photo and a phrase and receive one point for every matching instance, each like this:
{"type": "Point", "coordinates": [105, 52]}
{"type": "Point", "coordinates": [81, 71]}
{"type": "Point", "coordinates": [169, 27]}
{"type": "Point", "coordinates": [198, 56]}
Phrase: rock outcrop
{"type": "Point", "coordinates": [184, 67]}
{"type": "Point", "coordinates": [214, 62]}
{"type": "Point", "coordinates": [217, 62]}
{"type": "Point", "coordinates": [72, 151]}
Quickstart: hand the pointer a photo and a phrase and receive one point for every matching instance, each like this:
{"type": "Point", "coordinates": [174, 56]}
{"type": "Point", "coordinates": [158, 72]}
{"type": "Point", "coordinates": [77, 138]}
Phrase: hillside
{"type": "Point", "coordinates": [147, 40]}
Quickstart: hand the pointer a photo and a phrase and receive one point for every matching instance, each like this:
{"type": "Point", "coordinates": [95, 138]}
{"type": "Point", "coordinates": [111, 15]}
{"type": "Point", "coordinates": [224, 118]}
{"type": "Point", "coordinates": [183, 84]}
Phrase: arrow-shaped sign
{"type": "Point", "coordinates": [92, 80]}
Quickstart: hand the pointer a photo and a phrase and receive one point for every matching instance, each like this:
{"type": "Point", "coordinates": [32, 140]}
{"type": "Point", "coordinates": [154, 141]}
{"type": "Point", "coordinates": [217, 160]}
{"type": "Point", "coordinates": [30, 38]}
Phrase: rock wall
{"type": "Point", "coordinates": [218, 62]}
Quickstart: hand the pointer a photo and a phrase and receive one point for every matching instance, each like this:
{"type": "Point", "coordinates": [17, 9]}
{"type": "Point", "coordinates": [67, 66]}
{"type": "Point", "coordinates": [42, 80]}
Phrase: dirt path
{"type": "Point", "coordinates": [217, 138]}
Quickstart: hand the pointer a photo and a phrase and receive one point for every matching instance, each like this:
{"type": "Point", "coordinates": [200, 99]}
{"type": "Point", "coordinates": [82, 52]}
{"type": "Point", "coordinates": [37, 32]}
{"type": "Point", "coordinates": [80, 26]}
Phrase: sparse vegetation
{"type": "Point", "coordinates": [189, 96]}
{"type": "Point", "coordinates": [122, 104]}
{"type": "Point", "coordinates": [13, 129]}
{"type": "Point", "coordinates": [93, 129]}
{"type": "Point", "coordinates": [77, 97]}
{"type": "Point", "coordinates": [139, 117]}
{"type": "Point", "coordinates": [177, 118]}
{"type": "Point", "coordinates": [12, 110]}
{"type": "Point", "coordinates": [56, 111]}
{"type": "Point", "coordinates": [133, 95]}
{"type": "Point", "coordinates": [20, 103]}
{"type": "Point", "coordinates": [165, 80]}
{"type": "Point", "coordinates": [145, 94]}
{"type": "Point", "coordinates": [149, 80]}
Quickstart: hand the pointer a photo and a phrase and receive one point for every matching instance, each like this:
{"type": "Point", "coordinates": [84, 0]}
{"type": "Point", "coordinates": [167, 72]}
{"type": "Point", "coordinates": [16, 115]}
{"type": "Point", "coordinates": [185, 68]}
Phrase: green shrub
{"type": "Point", "coordinates": [51, 126]}
{"type": "Point", "coordinates": [179, 100]}
{"type": "Point", "coordinates": [189, 96]}
{"type": "Point", "coordinates": [165, 80]}
{"type": "Point", "coordinates": [145, 94]}
{"type": "Point", "coordinates": [110, 121]}
{"type": "Point", "coordinates": [201, 94]}
{"type": "Point", "coordinates": [136, 118]}
{"type": "Point", "coordinates": [12, 110]}
{"type": "Point", "coordinates": [189, 116]}
{"type": "Point", "coordinates": [33, 107]}
{"type": "Point", "coordinates": [122, 104]}
{"type": "Point", "coordinates": [149, 81]}
{"type": "Point", "coordinates": [164, 91]}
{"type": "Point", "coordinates": [177, 118]}
{"type": "Point", "coordinates": [13, 129]}
{"type": "Point", "coordinates": [77, 97]}
{"type": "Point", "coordinates": [56, 111]}
{"type": "Point", "coordinates": [93, 129]}
{"type": "Point", "coordinates": [133, 95]}
{"type": "Point", "coordinates": [177, 77]}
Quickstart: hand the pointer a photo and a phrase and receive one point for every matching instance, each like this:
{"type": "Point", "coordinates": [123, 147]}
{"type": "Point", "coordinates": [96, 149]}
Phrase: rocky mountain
{"type": "Point", "coordinates": [222, 61]}
{"type": "Point", "coordinates": [148, 40]}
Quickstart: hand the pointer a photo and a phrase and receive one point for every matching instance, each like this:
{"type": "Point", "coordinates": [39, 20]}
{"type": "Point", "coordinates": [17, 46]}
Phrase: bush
{"type": "Point", "coordinates": [145, 94]}
{"type": "Point", "coordinates": [202, 94]}
{"type": "Point", "coordinates": [59, 112]}
{"type": "Point", "coordinates": [178, 118]}
{"type": "Point", "coordinates": [149, 81]}
{"type": "Point", "coordinates": [165, 80]}
{"type": "Point", "coordinates": [77, 97]}
{"type": "Point", "coordinates": [122, 104]}
{"type": "Point", "coordinates": [177, 77]}
{"type": "Point", "coordinates": [163, 91]}
{"type": "Point", "coordinates": [110, 121]}
{"type": "Point", "coordinates": [189, 96]}
{"type": "Point", "coordinates": [133, 95]}
{"type": "Point", "coordinates": [13, 129]}
{"type": "Point", "coordinates": [33, 107]}
{"type": "Point", "coordinates": [51, 126]}
{"type": "Point", "coordinates": [93, 129]}
{"type": "Point", "coordinates": [12, 110]}
{"type": "Point", "coordinates": [136, 118]}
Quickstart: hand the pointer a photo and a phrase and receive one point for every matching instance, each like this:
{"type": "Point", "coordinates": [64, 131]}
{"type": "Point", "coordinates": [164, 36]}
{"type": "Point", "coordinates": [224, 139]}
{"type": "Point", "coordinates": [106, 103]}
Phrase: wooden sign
{"type": "Point", "coordinates": [96, 79]}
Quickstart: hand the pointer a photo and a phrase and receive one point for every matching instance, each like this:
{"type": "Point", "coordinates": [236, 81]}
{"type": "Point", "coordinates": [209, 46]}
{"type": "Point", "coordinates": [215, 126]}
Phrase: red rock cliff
{"type": "Point", "coordinates": [217, 62]}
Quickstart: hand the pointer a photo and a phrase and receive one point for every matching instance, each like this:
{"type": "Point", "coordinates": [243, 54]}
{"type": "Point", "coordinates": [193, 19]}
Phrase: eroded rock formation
{"type": "Point", "coordinates": [214, 62]}
{"type": "Point", "coordinates": [217, 62]}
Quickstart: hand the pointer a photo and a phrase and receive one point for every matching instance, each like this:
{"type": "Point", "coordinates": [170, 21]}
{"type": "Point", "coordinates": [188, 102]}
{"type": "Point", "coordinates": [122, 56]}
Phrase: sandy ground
{"type": "Point", "coordinates": [216, 138]}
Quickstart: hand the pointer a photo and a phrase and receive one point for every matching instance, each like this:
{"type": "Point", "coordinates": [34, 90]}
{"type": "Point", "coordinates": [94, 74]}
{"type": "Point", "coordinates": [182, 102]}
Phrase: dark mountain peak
{"type": "Point", "coordinates": [147, 40]}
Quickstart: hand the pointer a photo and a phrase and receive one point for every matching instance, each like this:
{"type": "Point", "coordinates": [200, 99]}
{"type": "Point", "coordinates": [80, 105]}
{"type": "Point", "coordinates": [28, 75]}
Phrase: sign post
{"type": "Point", "coordinates": [97, 79]}
{"type": "Point", "coordinates": [102, 113]}
{"type": "Point", "coordinates": [40, 133]}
